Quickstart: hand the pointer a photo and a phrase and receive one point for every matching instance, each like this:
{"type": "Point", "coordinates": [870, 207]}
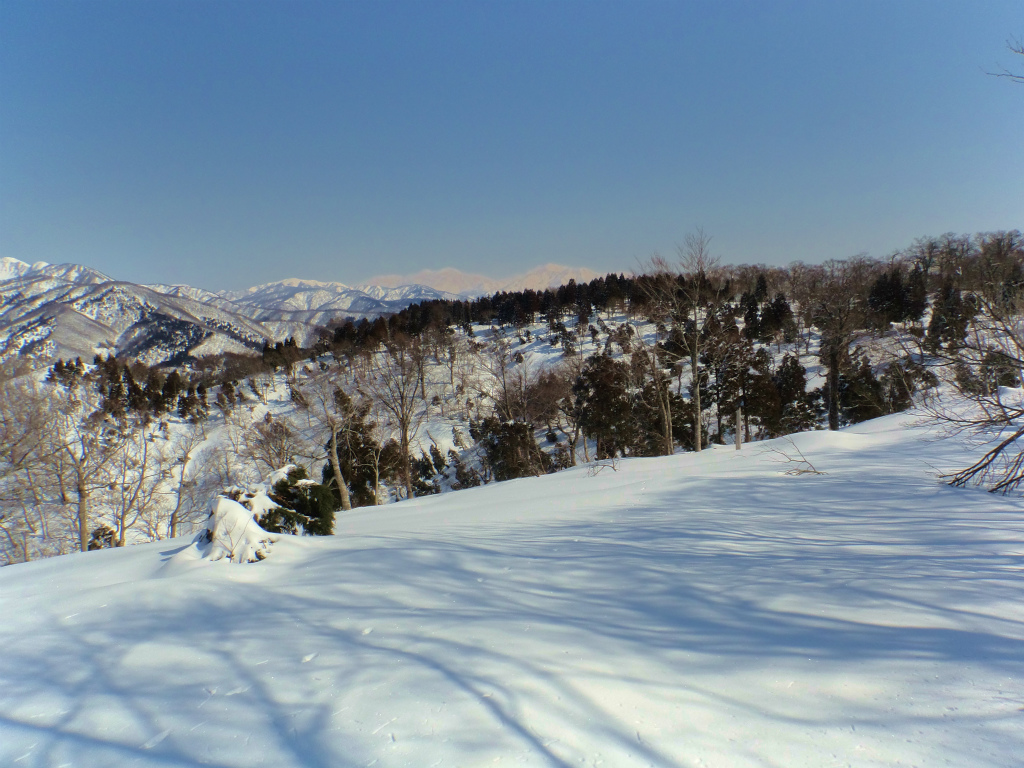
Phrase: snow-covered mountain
{"type": "Point", "coordinates": [295, 295]}
{"type": "Point", "coordinates": [11, 269]}
{"type": "Point", "coordinates": [69, 310]}
{"type": "Point", "coordinates": [51, 317]}
{"type": "Point", "coordinates": [469, 284]}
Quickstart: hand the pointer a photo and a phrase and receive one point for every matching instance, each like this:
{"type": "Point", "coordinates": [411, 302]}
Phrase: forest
{"type": "Point", "coordinates": [445, 395]}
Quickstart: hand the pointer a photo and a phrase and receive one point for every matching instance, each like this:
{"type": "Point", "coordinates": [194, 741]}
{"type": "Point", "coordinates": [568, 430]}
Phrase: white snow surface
{"type": "Point", "coordinates": [695, 610]}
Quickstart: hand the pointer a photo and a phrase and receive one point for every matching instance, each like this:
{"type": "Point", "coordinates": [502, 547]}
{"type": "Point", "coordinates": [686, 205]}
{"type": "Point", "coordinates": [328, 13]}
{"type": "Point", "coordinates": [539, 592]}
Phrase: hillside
{"type": "Point", "coordinates": [67, 310]}
{"type": "Point", "coordinates": [679, 611]}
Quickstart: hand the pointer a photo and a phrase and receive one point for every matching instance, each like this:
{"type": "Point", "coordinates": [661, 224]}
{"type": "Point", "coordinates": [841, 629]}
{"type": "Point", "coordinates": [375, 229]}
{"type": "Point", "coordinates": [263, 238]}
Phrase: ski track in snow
{"type": "Point", "coordinates": [685, 611]}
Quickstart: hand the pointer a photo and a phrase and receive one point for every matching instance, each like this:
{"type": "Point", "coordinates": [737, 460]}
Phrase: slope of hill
{"type": "Point", "coordinates": [68, 310]}
{"type": "Point", "coordinates": [11, 269]}
{"type": "Point", "coordinates": [690, 610]}
{"type": "Point", "coordinates": [69, 318]}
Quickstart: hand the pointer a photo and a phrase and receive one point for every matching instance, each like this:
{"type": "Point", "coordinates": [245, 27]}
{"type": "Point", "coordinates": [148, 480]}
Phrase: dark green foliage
{"type": "Point", "coordinates": [426, 477]}
{"type": "Point", "coordinates": [798, 406]}
{"type": "Point", "coordinates": [762, 403]}
{"type": "Point", "coordinates": [751, 316]}
{"type": "Point", "coordinates": [867, 396]}
{"type": "Point", "coordinates": [282, 354]}
{"type": "Point", "coordinates": [606, 409]}
{"type": "Point", "coordinates": [509, 447]}
{"type": "Point", "coordinates": [465, 477]}
{"type": "Point", "coordinates": [860, 391]}
{"type": "Point", "coordinates": [102, 537]}
{"type": "Point", "coordinates": [646, 436]}
{"type": "Point", "coordinates": [900, 380]}
{"type": "Point", "coordinates": [892, 299]}
{"type": "Point", "coordinates": [67, 374]}
{"type": "Point", "coordinates": [777, 321]}
{"type": "Point", "coordinates": [951, 314]}
{"type": "Point", "coordinates": [998, 370]}
{"type": "Point", "coordinates": [303, 506]}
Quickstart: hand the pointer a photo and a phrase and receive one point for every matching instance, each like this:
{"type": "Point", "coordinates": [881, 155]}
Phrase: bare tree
{"type": "Point", "coordinates": [133, 477]}
{"type": "Point", "coordinates": [27, 523]}
{"type": "Point", "coordinates": [684, 294]}
{"type": "Point", "coordinates": [270, 443]}
{"type": "Point", "coordinates": [393, 380]}
{"type": "Point", "coordinates": [987, 369]}
{"type": "Point", "coordinates": [85, 441]}
{"type": "Point", "coordinates": [838, 313]}
{"type": "Point", "coordinates": [182, 453]}
{"type": "Point", "coordinates": [331, 412]}
{"type": "Point", "coordinates": [510, 374]}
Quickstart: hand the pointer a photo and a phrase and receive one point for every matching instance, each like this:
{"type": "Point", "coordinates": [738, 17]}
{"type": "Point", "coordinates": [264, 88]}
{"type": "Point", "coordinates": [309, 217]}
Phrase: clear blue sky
{"type": "Point", "coordinates": [225, 144]}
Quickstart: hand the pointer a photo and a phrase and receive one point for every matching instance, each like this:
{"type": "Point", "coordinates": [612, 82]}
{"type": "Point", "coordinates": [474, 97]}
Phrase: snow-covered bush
{"type": "Point", "coordinates": [288, 502]}
{"type": "Point", "coordinates": [232, 534]}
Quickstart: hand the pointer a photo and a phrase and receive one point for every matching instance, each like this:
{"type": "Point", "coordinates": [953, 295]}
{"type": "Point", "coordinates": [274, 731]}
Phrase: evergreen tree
{"type": "Point", "coordinates": [606, 412]}
{"type": "Point", "coordinates": [302, 506]}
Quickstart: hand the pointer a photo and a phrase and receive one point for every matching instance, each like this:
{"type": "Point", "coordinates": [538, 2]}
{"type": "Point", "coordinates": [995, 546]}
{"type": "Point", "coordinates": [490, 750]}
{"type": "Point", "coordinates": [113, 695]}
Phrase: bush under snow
{"type": "Point", "coordinates": [232, 533]}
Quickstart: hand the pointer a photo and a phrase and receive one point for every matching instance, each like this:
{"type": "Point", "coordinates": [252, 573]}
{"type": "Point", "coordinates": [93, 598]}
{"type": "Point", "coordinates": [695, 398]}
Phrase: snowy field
{"type": "Point", "coordinates": [686, 611]}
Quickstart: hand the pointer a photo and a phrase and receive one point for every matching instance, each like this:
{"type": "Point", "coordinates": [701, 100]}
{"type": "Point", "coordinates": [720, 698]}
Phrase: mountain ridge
{"type": "Point", "coordinates": [70, 310]}
{"type": "Point", "coordinates": [453, 280]}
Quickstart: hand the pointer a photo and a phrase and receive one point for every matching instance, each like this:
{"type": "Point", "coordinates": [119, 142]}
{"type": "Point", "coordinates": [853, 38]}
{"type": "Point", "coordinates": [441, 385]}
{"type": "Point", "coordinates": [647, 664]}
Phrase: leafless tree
{"type": "Point", "coordinates": [330, 410]}
{"type": "Point", "coordinates": [27, 522]}
{"type": "Point", "coordinates": [684, 294]}
{"type": "Point", "coordinates": [133, 478]}
{"type": "Point", "coordinates": [85, 442]}
{"type": "Point", "coordinates": [511, 379]}
{"type": "Point", "coordinates": [393, 380]}
{"type": "Point", "coordinates": [838, 312]}
{"type": "Point", "coordinates": [182, 453]}
{"type": "Point", "coordinates": [987, 369]}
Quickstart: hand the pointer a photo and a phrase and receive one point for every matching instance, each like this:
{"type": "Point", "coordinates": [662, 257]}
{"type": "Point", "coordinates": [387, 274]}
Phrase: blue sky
{"type": "Point", "coordinates": [225, 144]}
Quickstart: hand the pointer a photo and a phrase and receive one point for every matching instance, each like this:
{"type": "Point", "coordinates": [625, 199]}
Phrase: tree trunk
{"type": "Point", "coordinates": [346, 500]}
{"type": "Point", "coordinates": [172, 525]}
{"type": "Point", "coordinates": [696, 396]}
{"type": "Point", "coordinates": [833, 389]}
{"type": "Point", "coordinates": [83, 515]}
{"type": "Point", "coordinates": [666, 415]}
{"type": "Point", "coordinates": [406, 464]}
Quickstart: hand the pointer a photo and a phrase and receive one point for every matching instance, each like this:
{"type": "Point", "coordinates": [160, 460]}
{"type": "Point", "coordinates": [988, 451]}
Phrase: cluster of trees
{"type": "Point", "coordinates": [686, 354]}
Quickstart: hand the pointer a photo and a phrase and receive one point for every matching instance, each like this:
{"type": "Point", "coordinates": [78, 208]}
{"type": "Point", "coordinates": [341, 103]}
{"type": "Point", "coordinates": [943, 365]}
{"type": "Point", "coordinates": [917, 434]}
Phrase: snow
{"type": "Point", "coordinates": [695, 610]}
{"type": "Point", "coordinates": [231, 533]}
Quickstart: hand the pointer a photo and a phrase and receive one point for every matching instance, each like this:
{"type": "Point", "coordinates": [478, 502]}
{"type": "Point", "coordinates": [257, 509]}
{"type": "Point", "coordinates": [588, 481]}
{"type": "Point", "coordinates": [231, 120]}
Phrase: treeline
{"type": "Point", "coordinates": [688, 354]}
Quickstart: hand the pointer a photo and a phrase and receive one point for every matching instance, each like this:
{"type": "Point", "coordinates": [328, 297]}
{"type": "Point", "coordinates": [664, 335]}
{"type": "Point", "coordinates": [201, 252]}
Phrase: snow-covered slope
{"type": "Point", "coordinates": [11, 269]}
{"type": "Point", "coordinates": [68, 310]}
{"type": "Point", "coordinates": [53, 316]}
{"type": "Point", "coordinates": [683, 611]}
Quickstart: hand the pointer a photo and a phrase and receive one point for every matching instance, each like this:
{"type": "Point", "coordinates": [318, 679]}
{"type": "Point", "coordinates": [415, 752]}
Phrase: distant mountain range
{"type": "Point", "coordinates": [68, 310]}
{"type": "Point", "coordinates": [466, 283]}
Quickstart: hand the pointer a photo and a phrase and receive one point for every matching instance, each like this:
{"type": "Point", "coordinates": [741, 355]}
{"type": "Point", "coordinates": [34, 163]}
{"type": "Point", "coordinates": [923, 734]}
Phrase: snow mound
{"type": "Point", "coordinates": [232, 533]}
